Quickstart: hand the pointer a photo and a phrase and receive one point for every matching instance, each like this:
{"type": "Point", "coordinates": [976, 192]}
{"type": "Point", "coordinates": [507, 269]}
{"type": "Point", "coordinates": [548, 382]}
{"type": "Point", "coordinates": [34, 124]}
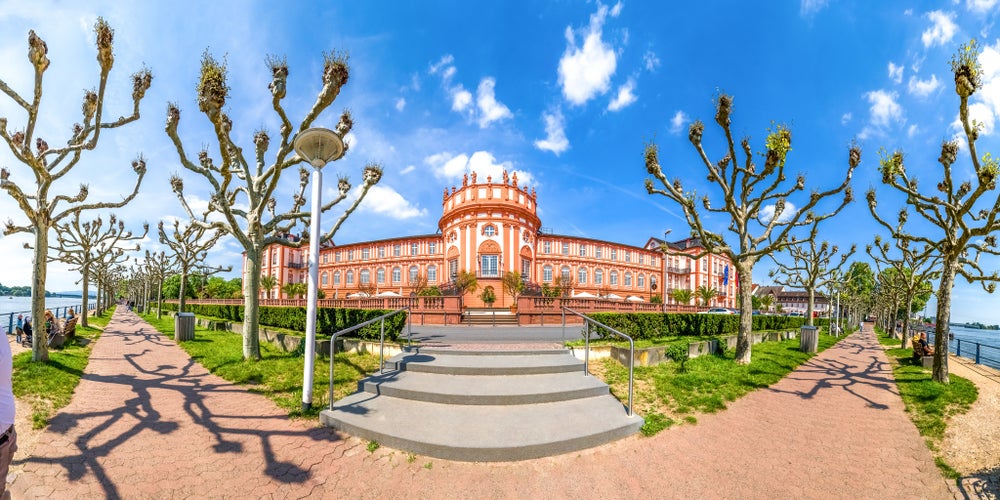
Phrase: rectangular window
{"type": "Point", "coordinates": [547, 274]}
{"type": "Point", "coordinates": [350, 255]}
{"type": "Point", "coordinates": [597, 252]}
{"type": "Point", "coordinates": [565, 249]}
{"type": "Point", "coordinates": [547, 247]}
{"type": "Point", "coordinates": [432, 274]}
{"type": "Point", "coordinates": [432, 248]}
{"type": "Point", "coordinates": [365, 253]}
{"type": "Point", "coordinates": [452, 269]}
{"type": "Point", "coordinates": [614, 254]}
{"type": "Point", "coordinates": [488, 265]}
{"type": "Point", "coordinates": [413, 248]}
{"type": "Point", "coordinates": [628, 256]}
{"type": "Point", "coordinates": [396, 250]}
{"type": "Point", "coordinates": [583, 250]}
{"type": "Point", "coordinates": [381, 252]}
{"type": "Point", "coordinates": [337, 258]}
{"type": "Point", "coordinates": [525, 270]}
{"type": "Point", "coordinates": [326, 258]}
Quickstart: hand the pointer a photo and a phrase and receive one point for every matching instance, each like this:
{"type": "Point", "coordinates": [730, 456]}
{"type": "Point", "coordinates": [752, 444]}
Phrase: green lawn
{"type": "Point", "coordinates": [929, 404]}
{"type": "Point", "coordinates": [48, 387]}
{"type": "Point", "coordinates": [278, 374]}
{"type": "Point", "coordinates": [666, 394]}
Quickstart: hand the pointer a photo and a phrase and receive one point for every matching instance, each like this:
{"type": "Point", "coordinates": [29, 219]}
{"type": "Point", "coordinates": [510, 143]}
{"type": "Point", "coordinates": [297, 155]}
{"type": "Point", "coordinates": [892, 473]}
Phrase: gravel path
{"type": "Point", "coordinates": [971, 442]}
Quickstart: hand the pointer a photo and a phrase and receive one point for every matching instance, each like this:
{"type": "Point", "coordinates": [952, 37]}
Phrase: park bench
{"type": "Point", "coordinates": [918, 353]}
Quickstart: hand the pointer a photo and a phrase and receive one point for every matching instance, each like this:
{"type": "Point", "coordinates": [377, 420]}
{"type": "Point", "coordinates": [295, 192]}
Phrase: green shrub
{"type": "Point", "coordinates": [653, 325]}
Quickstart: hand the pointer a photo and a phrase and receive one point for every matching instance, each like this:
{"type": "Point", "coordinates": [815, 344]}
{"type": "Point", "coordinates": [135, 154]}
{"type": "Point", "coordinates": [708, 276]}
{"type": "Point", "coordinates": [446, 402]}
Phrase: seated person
{"type": "Point", "coordinates": [925, 349]}
{"type": "Point", "coordinates": [27, 330]}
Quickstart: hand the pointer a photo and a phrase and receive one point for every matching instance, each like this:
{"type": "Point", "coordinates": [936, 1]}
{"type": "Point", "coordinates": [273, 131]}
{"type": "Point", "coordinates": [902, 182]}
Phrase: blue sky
{"type": "Point", "coordinates": [564, 93]}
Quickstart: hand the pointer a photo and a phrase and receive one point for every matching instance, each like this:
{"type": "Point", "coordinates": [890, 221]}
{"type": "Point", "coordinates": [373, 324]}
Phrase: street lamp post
{"type": "Point", "coordinates": [318, 146]}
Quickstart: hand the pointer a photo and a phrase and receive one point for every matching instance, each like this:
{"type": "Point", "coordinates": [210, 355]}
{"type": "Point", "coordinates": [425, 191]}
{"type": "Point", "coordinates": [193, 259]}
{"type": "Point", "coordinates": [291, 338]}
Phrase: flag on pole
{"type": "Point", "coordinates": [725, 275]}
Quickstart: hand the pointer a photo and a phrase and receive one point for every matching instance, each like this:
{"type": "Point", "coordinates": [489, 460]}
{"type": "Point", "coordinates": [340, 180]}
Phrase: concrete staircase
{"type": "Point", "coordinates": [489, 317]}
{"type": "Point", "coordinates": [483, 406]}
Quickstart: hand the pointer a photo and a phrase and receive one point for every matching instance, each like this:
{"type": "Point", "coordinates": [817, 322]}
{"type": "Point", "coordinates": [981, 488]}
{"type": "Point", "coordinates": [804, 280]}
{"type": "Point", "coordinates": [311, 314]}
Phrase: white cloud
{"type": "Point", "coordinates": [617, 9]}
{"type": "Point", "coordinates": [912, 130]}
{"type": "Point", "coordinates": [460, 98]}
{"type": "Point", "coordinates": [387, 201]}
{"type": "Point", "coordinates": [586, 71]}
{"type": "Point", "coordinates": [810, 7]}
{"type": "Point", "coordinates": [484, 164]}
{"type": "Point", "coordinates": [490, 109]}
{"type": "Point", "coordinates": [650, 61]}
{"type": "Point", "coordinates": [678, 121]}
{"type": "Point", "coordinates": [442, 64]}
{"type": "Point", "coordinates": [989, 94]}
{"type": "Point", "coordinates": [400, 104]}
{"type": "Point", "coordinates": [895, 72]}
{"type": "Point", "coordinates": [408, 169]}
{"type": "Point", "coordinates": [979, 113]}
{"type": "Point", "coordinates": [942, 28]}
{"type": "Point", "coordinates": [923, 88]}
{"type": "Point", "coordinates": [908, 12]}
{"type": "Point", "coordinates": [786, 215]}
{"type": "Point", "coordinates": [845, 118]}
{"type": "Point", "coordinates": [555, 133]}
{"type": "Point", "coordinates": [981, 6]}
{"type": "Point", "coordinates": [624, 97]}
{"type": "Point", "coordinates": [884, 108]}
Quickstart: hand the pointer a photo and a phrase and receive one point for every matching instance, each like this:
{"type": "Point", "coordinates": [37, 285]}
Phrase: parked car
{"type": "Point", "coordinates": [718, 310]}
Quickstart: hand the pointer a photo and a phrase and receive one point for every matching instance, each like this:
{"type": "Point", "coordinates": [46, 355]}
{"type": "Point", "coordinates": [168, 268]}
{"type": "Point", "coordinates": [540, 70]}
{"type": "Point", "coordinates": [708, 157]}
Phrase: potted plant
{"type": "Point", "coordinates": [488, 296]}
{"type": "Point", "coordinates": [513, 285]}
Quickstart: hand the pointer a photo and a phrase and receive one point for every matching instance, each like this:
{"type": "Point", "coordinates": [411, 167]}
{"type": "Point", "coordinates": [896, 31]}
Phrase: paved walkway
{"type": "Point", "coordinates": [147, 422]}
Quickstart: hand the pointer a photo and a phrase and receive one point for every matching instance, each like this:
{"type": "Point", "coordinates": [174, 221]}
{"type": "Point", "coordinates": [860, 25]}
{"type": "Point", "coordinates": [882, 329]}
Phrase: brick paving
{"type": "Point", "coordinates": [147, 422]}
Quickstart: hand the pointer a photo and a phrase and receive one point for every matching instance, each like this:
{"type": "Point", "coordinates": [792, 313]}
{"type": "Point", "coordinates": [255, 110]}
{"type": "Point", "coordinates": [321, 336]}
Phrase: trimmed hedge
{"type": "Point", "coordinates": [328, 320]}
{"type": "Point", "coordinates": [652, 325]}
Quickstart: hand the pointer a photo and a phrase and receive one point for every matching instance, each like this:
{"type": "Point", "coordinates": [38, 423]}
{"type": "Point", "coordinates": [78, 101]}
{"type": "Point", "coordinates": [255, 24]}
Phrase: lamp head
{"type": "Point", "coordinates": [319, 146]}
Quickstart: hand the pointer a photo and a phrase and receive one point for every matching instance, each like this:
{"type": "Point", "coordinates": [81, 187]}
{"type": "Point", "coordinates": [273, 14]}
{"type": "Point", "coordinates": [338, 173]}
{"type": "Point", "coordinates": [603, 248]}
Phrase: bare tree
{"type": "Point", "coordinates": [811, 268]}
{"type": "Point", "coordinates": [752, 198]}
{"type": "Point", "coordinates": [959, 220]}
{"type": "Point", "coordinates": [244, 190]}
{"type": "Point", "coordinates": [81, 244]}
{"type": "Point", "coordinates": [913, 272]}
{"type": "Point", "coordinates": [190, 247]}
{"type": "Point", "coordinates": [48, 165]}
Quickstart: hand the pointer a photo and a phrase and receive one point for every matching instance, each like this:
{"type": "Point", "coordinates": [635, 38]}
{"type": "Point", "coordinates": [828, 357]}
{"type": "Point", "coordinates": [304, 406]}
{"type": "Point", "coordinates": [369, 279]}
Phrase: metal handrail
{"type": "Point", "coordinates": [381, 348]}
{"type": "Point", "coordinates": [586, 348]}
{"type": "Point", "coordinates": [979, 357]}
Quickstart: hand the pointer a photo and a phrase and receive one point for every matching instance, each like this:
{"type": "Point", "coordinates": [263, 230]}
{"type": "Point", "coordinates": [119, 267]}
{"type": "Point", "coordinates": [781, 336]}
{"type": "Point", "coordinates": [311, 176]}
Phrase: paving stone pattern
{"type": "Point", "coordinates": [147, 422]}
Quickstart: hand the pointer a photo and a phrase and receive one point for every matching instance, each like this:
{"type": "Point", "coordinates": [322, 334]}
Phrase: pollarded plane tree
{"type": "Point", "coordinates": [81, 244]}
{"type": "Point", "coordinates": [158, 266]}
{"type": "Point", "coordinates": [886, 297]}
{"type": "Point", "coordinates": [913, 273]}
{"type": "Point", "coordinates": [244, 190]}
{"type": "Point", "coordinates": [189, 246]}
{"type": "Point", "coordinates": [106, 274]}
{"type": "Point", "coordinates": [957, 222]}
{"type": "Point", "coordinates": [42, 208]}
{"type": "Point", "coordinates": [813, 267]}
{"type": "Point", "coordinates": [748, 194]}
{"type": "Point", "coordinates": [857, 293]}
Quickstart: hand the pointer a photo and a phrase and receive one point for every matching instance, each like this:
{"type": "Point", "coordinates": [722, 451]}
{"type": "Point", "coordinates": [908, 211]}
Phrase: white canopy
{"type": "Point", "coordinates": [613, 296]}
{"type": "Point", "coordinates": [634, 298]}
{"type": "Point", "coordinates": [358, 295]}
{"type": "Point", "coordinates": [584, 295]}
{"type": "Point", "coordinates": [388, 293]}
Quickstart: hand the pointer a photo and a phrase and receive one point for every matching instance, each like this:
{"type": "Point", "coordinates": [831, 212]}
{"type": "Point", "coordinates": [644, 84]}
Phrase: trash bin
{"type": "Point", "coordinates": [184, 326]}
{"type": "Point", "coordinates": [809, 338]}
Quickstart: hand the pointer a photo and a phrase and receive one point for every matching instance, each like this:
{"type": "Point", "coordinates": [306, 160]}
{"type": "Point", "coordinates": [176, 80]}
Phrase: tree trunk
{"type": "Point", "coordinates": [39, 344]}
{"type": "Point", "coordinates": [251, 303]}
{"type": "Point", "coordinates": [181, 300]}
{"type": "Point", "coordinates": [943, 318]}
{"type": "Point", "coordinates": [906, 322]}
{"type": "Point", "coordinates": [86, 294]}
{"type": "Point", "coordinates": [159, 299]}
{"type": "Point", "coordinates": [810, 305]}
{"type": "Point", "coordinates": [743, 346]}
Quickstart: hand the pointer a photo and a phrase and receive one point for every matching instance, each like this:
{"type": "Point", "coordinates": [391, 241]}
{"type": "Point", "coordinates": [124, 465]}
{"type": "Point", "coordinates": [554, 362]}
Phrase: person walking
{"type": "Point", "coordinates": [20, 327]}
{"type": "Point", "coordinates": [8, 435]}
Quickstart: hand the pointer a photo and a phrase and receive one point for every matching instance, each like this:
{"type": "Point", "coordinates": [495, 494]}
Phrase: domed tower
{"type": "Point", "coordinates": [489, 228]}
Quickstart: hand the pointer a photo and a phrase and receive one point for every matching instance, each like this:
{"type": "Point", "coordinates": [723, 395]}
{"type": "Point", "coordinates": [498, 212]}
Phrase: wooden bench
{"type": "Point", "coordinates": [69, 329]}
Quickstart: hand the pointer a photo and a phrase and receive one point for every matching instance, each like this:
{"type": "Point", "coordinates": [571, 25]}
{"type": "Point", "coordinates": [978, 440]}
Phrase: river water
{"type": "Point", "coordinates": [967, 338]}
{"type": "Point", "coordinates": [10, 307]}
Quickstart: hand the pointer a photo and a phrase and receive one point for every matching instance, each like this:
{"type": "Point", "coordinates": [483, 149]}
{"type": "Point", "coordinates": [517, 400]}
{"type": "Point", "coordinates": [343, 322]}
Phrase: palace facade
{"type": "Point", "coordinates": [489, 228]}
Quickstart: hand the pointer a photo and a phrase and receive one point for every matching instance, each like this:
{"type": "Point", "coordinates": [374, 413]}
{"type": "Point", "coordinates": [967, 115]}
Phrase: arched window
{"type": "Point", "coordinates": [564, 272]}
{"type": "Point", "coordinates": [414, 272]}
{"type": "Point", "coordinates": [336, 277]}
{"type": "Point", "coordinates": [547, 274]}
{"type": "Point", "coordinates": [598, 277]}
{"type": "Point", "coordinates": [323, 278]}
{"type": "Point", "coordinates": [397, 275]}
{"type": "Point", "coordinates": [432, 274]}
{"type": "Point", "coordinates": [652, 282]}
{"type": "Point", "coordinates": [581, 276]}
{"type": "Point", "coordinates": [365, 277]}
{"type": "Point", "coordinates": [628, 278]}
{"type": "Point", "coordinates": [641, 281]}
{"type": "Point", "coordinates": [350, 277]}
{"type": "Point", "coordinates": [613, 281]}
{"type": "Point", "coordinates": [380, 276]}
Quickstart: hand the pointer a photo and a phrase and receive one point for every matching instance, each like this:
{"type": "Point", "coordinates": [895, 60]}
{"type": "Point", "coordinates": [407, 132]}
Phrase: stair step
{"type": "Point", "coordinates": [485, 433]}
{"type": "Point", "coordinates": [486, 364]}
{"type": "Point", "coordinates": [484, 390]}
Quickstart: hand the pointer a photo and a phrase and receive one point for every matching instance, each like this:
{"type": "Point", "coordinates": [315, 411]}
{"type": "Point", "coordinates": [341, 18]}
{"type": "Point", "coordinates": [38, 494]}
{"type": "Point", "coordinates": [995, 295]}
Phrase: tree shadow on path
{"type": "Point", "coordinates": [147, 374]}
